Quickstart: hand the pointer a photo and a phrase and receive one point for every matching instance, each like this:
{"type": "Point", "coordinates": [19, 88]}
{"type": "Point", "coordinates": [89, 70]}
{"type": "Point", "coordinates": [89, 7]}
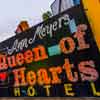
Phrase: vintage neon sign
{"type": "Point", "coordinates": [62, 64]}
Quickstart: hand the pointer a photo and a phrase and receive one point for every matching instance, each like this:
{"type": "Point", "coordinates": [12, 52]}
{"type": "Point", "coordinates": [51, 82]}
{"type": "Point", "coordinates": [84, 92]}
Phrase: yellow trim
{"type": "Point", "coordinates": [93, 14]}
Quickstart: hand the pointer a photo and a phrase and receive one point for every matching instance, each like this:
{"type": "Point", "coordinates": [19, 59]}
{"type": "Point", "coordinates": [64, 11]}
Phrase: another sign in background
{"type": "Point", "coordinates": [59, 6]}
{"type": "Point", "coordinates": [93, 15]}
{"type": "Point", "coordinates": [52, 59]}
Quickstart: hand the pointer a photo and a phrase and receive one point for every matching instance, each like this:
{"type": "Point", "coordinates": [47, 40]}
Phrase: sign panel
{"type": "Point", "coordinates": [50, 60]}
{"type": "Point", "coordinates": [55, 7]}
{"type": "Point", "coordinates": [63, 5]}
{"type": "Point", "coordinates": [66, 4]}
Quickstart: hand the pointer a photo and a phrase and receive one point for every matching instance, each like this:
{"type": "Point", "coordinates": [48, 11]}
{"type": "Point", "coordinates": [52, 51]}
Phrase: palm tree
{"type": "Point", "coordinates": [46, 15]}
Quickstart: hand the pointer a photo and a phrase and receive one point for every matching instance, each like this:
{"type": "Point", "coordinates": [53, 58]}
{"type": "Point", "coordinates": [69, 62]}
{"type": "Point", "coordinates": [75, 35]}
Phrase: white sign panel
{"type": "Point", "coordinates": [55, 7]}
{"type": "Point", "coordinates": [65, 4]}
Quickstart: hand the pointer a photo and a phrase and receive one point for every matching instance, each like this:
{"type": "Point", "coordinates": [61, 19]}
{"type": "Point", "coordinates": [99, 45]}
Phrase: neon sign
{"type": "Point", "coordinates": [48, 60]}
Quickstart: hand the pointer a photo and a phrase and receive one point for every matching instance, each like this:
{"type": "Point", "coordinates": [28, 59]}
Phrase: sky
{"type": "Point", "coordinates": [12, 12]}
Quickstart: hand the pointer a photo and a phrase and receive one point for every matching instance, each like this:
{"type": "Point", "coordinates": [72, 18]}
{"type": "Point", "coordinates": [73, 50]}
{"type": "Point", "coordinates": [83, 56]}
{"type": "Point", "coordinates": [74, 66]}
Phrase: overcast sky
{"type": "Point", "coordinates": [14, 11]}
